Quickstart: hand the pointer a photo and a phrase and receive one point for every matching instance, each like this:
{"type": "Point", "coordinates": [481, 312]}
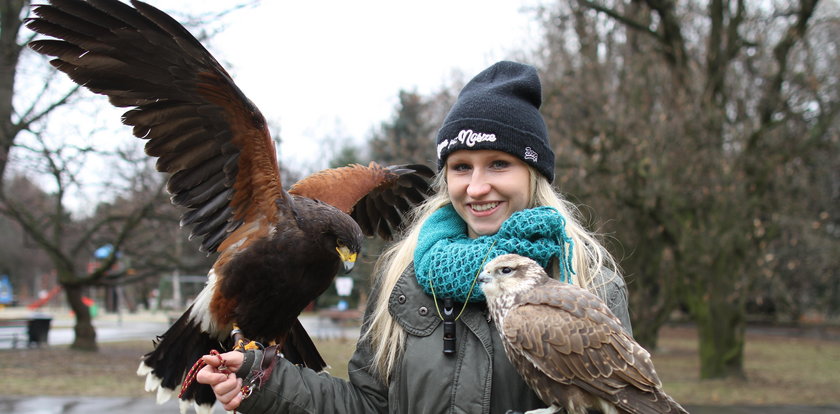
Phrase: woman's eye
{"type": "Point", "coordinates": [498, 164]}
{"type": "Point", "coordinates": [460, 167]}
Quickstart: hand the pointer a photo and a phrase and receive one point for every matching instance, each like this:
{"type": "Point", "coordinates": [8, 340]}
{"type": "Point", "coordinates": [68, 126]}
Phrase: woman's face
{"type": "Point", "coordinates": [486, 187]}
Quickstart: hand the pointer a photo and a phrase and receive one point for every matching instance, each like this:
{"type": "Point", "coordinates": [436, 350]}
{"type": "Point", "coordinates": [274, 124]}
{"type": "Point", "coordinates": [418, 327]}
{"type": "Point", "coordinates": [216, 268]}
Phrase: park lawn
{"type": "Point", "coordinates": [780, 370]}
{"type": "Point", "coordinates": [111, 372]}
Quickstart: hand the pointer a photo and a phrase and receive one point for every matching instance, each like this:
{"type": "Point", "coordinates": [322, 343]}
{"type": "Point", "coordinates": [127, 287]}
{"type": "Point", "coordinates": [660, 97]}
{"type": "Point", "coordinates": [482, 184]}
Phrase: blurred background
{"type": "Point", "coordinates": [700, 138]}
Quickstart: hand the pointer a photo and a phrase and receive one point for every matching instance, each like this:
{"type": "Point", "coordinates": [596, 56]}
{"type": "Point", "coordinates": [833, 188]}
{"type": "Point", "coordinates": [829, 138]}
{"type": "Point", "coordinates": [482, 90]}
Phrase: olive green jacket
{"type": "Point", "coordinates": [477, 379]}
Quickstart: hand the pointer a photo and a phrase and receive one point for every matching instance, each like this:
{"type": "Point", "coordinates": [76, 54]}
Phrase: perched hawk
{"type": "Point", "coordinates": [277, 250]}
{"type": "Point", "coordinates": [567, 345]}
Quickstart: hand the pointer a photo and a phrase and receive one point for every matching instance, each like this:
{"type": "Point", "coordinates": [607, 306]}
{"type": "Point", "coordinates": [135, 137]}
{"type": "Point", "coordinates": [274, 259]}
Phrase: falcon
{"type": "Point", "coordinates": [567, 345]}
{"type": "Point", "coordinates": [277, 250]}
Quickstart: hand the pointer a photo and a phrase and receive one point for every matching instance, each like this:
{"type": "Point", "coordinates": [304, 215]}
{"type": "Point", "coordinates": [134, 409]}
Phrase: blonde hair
{"type": "Point", "coordinates": [387, 339]}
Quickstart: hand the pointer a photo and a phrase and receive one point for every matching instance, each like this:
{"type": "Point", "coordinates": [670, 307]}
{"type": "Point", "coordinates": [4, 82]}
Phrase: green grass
{"type": "Point", "coordinates": [780, 370]}
{"type": "Point", "coordinates": [60, 371]}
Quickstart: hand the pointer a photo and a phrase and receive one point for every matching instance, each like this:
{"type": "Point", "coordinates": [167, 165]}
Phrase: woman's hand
{"type": "Point", "coordinates": [222, 378]}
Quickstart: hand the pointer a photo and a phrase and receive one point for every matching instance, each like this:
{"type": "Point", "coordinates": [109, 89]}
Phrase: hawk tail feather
{"type": "Point", "coordinates": [299, 348]}
{"type": "Point", "coordinates": [175, 352]}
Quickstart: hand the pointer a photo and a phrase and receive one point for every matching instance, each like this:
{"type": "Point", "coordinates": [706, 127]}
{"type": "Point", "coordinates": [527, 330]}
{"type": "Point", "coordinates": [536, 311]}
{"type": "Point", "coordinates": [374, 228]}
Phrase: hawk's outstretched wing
{"type": "Point", "coordinates": [376, 197]}
{"type": "Point", "coordinates": [211, 139]}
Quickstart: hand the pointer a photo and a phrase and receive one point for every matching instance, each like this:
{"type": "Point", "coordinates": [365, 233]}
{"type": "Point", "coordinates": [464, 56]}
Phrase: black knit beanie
{"type": "Point", "coordinates": [499, 110]}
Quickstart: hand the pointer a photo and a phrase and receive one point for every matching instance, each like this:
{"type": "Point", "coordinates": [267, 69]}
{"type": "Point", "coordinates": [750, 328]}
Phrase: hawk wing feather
{"type": "Point", "coordinates": [376, 197]}
{"type": "Point", "coordinates": [194, 118]}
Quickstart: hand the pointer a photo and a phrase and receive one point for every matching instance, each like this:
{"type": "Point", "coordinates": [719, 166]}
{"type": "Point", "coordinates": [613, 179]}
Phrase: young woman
{"type": "Point", "coordinates": [428, 344]}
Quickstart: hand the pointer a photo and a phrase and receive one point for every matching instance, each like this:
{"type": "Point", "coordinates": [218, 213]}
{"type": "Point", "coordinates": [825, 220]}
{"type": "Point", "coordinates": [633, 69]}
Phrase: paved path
{"type": "Point", "coordinates": [113, 328]}
{"type": "Point", "coordinates": [96, 405]}
{"type": "Point", "coordinates": [86, 405]}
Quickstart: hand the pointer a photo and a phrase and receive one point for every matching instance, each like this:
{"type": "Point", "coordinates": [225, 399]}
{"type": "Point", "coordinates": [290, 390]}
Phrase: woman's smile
{"type": "Point", "coordinates": [483, 208]}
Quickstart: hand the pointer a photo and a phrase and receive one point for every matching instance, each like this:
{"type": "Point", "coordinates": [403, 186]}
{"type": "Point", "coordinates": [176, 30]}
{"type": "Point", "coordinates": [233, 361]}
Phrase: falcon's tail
{"type": "Point", "coordinates": [655, 401]}
{"type": "Point", "coordinates": [299, 348]}
{"type": "Point", "coordinates": [175, 353]}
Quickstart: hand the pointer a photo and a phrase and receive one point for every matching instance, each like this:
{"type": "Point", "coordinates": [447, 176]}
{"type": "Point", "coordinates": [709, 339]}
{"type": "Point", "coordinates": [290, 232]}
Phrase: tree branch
{"type": "Point", "coordinates": [772, 98]}
{"type": "Point", "coordinates": [672, 37]}
{"type": "Point", "coordinates": [34, 228]}
{"type": "Point", "coordinates": [627, 21]}
{"type": "Point", "coordinates": [24, 123]}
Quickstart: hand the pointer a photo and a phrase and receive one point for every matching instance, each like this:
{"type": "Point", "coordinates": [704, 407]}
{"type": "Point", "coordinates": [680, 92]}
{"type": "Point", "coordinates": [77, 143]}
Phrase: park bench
{"type": "Point", "coordinates": [13, 330]}
{"type": "Point", "coordinates": [34, 331]}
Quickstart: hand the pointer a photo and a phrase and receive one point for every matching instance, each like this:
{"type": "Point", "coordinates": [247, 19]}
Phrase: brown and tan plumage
{"type": "Point", "coordinates": [567, 345]}
{"type": "Point", "coordinates": [277, 250]}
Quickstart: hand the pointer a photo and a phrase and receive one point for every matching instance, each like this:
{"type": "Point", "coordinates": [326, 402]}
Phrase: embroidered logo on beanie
{"type": "Point", "coordinates": [531, 155]}
{"type": "Point", "coordinates": [499, 110]}
{"type": "Point", "coordinates": [466, 137]}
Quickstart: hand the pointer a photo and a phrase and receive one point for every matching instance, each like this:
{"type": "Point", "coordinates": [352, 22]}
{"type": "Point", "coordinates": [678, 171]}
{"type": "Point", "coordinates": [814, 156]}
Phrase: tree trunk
{"type": "Point", "coordinates": [717, 304]}
{"type": "Point", "coordinates": [85, 339]}
{"type": "Point", "coordinates": [10, 23]}
{"type": "Point", "coordinates": [721, 328]}
{"type": "Point", "coordinates": [653, 292]}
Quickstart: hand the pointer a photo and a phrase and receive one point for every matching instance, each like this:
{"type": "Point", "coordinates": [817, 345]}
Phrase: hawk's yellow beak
{"type": "Point", "coordinates": [347, 257]}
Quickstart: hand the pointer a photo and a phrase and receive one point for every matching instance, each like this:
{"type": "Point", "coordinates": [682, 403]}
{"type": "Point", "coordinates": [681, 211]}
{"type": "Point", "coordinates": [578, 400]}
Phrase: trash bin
{"type": "Point", "coordinates": [39, 330]}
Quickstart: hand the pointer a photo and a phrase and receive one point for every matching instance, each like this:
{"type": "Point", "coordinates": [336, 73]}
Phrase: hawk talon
{"type": "Point", "coordinates": [242, 346]}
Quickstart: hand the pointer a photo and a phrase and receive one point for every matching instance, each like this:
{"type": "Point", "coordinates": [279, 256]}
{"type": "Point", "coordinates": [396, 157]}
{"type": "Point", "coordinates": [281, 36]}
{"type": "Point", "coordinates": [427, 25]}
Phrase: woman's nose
{"type": "Point", "coordinates": [478, 186]}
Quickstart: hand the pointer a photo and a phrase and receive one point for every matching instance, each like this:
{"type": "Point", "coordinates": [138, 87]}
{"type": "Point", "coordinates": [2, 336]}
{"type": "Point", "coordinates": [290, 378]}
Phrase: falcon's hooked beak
{"type": "Point", "coordinates": [347, 257]}
{"type": "Point", "coordinates": [485, 277]}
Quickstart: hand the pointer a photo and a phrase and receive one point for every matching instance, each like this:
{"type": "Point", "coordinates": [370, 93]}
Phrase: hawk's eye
{"type": "Point", "coordinates": [340, 243]}
{"type": "Point", "coordinates": [506, 270]}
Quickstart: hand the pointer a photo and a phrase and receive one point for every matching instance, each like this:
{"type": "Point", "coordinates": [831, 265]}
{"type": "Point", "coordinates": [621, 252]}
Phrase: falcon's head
{"type": "Point", "coordinates": [510, 274]}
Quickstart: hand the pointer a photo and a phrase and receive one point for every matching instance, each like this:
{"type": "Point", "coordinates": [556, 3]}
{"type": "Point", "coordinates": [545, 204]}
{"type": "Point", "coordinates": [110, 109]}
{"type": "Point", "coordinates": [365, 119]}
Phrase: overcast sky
{"type": "Point", "coordinates": [317, 67]}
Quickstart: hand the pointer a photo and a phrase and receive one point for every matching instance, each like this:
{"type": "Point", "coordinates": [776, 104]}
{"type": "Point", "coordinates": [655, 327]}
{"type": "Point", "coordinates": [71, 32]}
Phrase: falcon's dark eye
{"type": "Point", "coordinates": [506, 270]}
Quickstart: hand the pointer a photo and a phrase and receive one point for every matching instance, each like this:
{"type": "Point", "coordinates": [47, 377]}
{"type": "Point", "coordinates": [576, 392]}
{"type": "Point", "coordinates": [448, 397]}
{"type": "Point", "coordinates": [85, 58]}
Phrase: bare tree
{"type": "Point", "coordinates": [683, 123]}
{"type": "Point", "coordinates": [68, 242]}
{"type": "Point", "coordinates": [13, 120]}
{"type": "Point", "coordinates": [20, 259]}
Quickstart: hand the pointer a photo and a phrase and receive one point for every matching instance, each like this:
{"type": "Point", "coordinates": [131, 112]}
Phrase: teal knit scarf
{"type": "Point", "coordinates": [446, 260]}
